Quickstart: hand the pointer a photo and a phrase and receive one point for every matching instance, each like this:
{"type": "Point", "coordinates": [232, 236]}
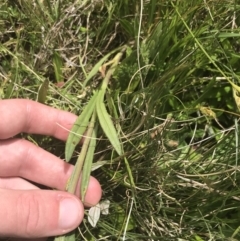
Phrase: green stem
{"type": "Point", "coordinates": [71, 187]}
{"type": "Point", "coordinates": [114, 62]}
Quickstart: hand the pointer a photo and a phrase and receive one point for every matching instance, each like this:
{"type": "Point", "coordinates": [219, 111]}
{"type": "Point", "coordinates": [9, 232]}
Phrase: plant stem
{"type": "Point", "coordinates": [72, 184]}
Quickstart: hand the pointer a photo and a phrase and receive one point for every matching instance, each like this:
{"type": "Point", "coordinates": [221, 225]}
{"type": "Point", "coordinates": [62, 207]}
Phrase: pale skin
{"type": "Point", "coordinates": [28, 211]}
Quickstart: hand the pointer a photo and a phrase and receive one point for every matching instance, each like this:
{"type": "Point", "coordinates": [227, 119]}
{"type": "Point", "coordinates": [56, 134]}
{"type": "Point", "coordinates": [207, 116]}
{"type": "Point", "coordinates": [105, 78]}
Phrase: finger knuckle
{"type": "Point", "coordinates": [28, 211]}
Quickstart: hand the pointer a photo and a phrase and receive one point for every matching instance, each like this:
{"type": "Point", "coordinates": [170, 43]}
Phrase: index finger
{"type": "Point", "coordinates": [19, 115]}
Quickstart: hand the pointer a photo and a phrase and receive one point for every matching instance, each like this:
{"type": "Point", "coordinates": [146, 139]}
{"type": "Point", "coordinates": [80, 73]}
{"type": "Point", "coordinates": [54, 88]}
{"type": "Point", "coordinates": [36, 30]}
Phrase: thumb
{"type": "Point", "coordinates": [38, 213]}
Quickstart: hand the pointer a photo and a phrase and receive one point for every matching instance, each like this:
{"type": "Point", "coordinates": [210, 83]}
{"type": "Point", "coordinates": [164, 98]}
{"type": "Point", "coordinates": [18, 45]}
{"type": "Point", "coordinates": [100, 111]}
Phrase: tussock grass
{"type": "Point", "coordinates": [173, 109]}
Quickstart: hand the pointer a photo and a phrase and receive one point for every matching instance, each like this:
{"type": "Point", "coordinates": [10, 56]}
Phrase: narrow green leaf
{"type": "Point", "coordinates": [152, 12]}
{"type": "Point", "coordinates": [87, 166]}
{"type": "Point", "coordinates": [73, 181]}
{"type": "Point", "coordinates": [108, 127]}
{"type": "Point", "coordinates": [79, 128]}
{"type": "Point", "coordinates": [96, 67]}
{"type": "Point", "coordinates": [97, 165]}
{"type": "Point", "coordinates": [58, 65]}
{"type": "Point", "coordinates": [42, 91]}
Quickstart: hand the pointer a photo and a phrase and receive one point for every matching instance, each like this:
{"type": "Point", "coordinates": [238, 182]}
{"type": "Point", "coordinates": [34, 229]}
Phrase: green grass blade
{"type": "Point", "coordinates": [87, 166]}
{"type": "Point", "coordinates": [97, 66]}
{"type": "Point", "coordinates": [42, 91]}
{"type": "Point", "coordinates": [108, 127]}
{"type": "Point", "coordinates": [72, 182]}
{"type": "Point", "coordinates": [97, 165]}
{"type": "Point", "coordinates": [58, 65]}
{"type": "Point", "coordinates": [152, 11]}
{"type": "Point", "coordinates": [79, 128]}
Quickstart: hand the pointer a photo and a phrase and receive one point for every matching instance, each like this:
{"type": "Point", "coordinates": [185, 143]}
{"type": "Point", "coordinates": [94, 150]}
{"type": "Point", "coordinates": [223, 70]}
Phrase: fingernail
{"type": "Point", "coordinates": [69, 214]}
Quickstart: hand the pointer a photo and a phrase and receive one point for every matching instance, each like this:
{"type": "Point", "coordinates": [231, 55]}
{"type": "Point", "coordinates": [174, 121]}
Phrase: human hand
{"type": "Point", "coordinates": [25, 210]}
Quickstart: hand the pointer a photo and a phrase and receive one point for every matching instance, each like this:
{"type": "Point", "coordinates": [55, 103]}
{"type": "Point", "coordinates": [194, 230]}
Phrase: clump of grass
{"type": "Point", "coordinates": [173, 109]}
